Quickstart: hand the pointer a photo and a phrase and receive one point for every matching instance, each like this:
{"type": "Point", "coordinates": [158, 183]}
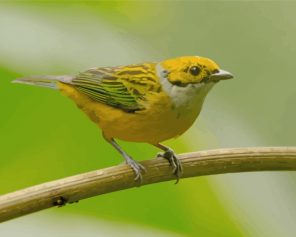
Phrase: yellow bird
{"type": "Point", "coordinates": [148, 102]}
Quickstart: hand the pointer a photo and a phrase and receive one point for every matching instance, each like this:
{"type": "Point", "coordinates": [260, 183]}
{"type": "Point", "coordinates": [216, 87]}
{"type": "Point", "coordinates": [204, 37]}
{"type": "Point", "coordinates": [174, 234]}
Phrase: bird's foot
{"type": "Point", "coordinates": [137, 168]}
{"type": "Point", "coordinates": [170, 155]}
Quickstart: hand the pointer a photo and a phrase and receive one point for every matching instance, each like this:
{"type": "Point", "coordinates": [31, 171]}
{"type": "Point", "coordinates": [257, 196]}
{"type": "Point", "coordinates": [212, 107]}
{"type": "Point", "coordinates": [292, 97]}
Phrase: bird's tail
{"type": "Point", "coordinates": [45, 81]}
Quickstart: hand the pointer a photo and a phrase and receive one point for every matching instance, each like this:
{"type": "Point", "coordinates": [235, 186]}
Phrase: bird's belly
{"type": "Point", "coordinates": [157, 123]}
{"type": "Point", "coordinates": [149, 126]}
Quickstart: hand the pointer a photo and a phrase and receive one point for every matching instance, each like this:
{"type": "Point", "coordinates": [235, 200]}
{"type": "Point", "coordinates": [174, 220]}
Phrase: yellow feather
{"type": "Point", "coordinates": [153, 125]}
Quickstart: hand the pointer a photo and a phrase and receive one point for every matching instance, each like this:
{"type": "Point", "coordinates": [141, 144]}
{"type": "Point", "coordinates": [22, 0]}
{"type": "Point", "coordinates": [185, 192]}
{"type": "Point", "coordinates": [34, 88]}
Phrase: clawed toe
{"type": "Point", "coordinates": [174, 162]}
{"type": "Point", "coordinates": [137, 168]}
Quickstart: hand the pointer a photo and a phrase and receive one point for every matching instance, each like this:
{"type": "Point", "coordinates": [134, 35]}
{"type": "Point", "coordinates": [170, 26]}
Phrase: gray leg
{"type": "Point", "coordinates": [170, 155]}
{"type": "Point", "coordinates": [138, 168]}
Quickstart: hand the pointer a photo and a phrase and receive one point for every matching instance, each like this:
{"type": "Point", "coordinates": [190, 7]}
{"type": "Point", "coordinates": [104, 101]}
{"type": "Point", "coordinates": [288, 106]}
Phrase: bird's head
{"type": "Point", "coordinates": [187, 70]}
{"type": "Point", "coordinates": [187, 80]}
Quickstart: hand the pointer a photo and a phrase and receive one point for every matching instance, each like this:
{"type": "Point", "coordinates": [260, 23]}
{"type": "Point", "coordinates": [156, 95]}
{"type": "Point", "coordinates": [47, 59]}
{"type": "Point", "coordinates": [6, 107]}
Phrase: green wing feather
{"type": "Point", "coordinates": [119, 87]}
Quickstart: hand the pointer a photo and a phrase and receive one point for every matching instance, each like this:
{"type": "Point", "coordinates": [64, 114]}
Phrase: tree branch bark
{"type": "Point", "coordinates": [78, 187]}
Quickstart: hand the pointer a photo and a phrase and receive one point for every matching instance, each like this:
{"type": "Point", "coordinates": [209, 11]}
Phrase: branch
{"type": "Point", "coordinates": [78, 187]}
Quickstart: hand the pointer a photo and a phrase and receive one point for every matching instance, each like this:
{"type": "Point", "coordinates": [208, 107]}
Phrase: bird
{"type": "Point", "coordinates": [147, 102]}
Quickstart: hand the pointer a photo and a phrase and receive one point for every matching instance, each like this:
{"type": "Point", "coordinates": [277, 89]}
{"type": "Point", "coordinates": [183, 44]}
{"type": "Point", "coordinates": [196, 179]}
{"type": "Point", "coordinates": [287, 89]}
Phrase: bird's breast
{"type": "Point", "coordinates": [188, 100]}
{"type": "Point", "coordinates": [165, 116]}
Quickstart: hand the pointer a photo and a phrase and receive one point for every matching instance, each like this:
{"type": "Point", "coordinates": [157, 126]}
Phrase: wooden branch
{"type": "Point", "coordinates": [75, 188]}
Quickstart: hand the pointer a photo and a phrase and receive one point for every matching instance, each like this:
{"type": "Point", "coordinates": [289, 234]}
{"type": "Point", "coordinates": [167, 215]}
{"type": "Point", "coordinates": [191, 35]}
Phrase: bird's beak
{"type": "Point", "coordinates": [220, 75]}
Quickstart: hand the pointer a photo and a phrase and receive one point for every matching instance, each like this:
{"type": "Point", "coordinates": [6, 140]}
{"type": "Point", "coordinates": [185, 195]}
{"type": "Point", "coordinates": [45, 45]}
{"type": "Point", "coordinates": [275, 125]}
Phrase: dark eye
{"type": "Point", "coordinates": [194, 70]}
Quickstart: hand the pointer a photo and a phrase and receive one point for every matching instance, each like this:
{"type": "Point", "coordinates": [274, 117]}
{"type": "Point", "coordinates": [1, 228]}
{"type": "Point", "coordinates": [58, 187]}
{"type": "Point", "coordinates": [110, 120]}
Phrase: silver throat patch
{"type": "Point", "coordinates": [188, 97]}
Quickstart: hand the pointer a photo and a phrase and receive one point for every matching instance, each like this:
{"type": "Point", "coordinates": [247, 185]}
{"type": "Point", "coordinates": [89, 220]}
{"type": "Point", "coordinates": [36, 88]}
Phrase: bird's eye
{"type": "Point", "coordinates": [194, 70]}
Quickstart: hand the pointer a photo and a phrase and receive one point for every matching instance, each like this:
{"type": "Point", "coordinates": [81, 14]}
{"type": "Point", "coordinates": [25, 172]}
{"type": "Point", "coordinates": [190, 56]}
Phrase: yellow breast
{"type": "Point", "coordinates": [160, 121]}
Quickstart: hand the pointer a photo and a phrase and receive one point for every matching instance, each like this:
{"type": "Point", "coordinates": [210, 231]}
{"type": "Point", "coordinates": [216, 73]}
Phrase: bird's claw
{"type": "Point", "coordinates": [170, 155]}
{"type": "Point", "coordinates": [137, 168]}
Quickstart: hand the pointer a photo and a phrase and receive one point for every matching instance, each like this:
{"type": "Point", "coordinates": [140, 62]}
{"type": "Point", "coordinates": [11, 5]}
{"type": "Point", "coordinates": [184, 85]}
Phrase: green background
{"type": "Point", "coordinates": [43, 136]}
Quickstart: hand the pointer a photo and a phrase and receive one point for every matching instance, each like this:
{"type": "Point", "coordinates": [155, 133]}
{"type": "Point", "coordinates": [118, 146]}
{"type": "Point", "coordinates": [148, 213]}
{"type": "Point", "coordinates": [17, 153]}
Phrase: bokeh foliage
{"type": "Point", "coordinates": [43, 136]}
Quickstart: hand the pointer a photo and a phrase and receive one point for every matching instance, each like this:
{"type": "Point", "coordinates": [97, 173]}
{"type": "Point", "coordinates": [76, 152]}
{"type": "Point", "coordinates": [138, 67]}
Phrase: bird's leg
{"type": "Point", "coordinates": [137, 168]}
{"type": "Point", "coordinates": [170, 155]}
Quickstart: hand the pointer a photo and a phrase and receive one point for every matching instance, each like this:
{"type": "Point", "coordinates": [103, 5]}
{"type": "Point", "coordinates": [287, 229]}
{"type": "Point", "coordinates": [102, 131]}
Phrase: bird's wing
{"type": "Point", "coordinates": [121, 87]}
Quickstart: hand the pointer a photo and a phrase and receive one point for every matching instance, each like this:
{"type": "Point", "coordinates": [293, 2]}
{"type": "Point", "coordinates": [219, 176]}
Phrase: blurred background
{"type": "Point", "coordinates": [43, 136]}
